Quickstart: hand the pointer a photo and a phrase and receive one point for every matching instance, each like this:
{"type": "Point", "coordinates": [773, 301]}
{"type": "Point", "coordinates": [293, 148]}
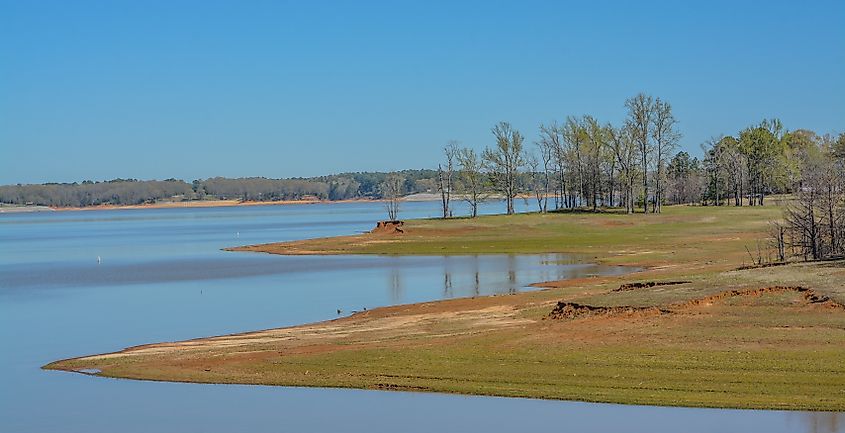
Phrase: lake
{"type": "Point", "coordinates": [77, 283]}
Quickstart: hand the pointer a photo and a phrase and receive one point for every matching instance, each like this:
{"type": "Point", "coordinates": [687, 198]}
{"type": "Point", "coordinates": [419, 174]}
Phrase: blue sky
{"type": "Point", "coordinates": [158, 89]}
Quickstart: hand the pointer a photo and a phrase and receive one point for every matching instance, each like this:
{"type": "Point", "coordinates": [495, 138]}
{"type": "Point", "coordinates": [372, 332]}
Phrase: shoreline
{"type": "Point", "coordinates": [685, 342]}
{"type": "Point", "coordinates": [195, 204]}
{"type": "Point", "coordinates": [12, 208]}
{"type": "Point", "coordinates": [200, 204]}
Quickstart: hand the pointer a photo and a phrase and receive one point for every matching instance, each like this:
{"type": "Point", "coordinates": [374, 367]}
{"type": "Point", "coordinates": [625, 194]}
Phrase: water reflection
{"type": "Point", "coordinates": [820, 422]}
{"type": "Point", "coordinates": [447, 278]}
{"type": "Point", "coordinates": [472, 275]}
{"type": "Point", "coordinates": [512, 272]}
{"type": "Point", "coordinates": [395, 284]}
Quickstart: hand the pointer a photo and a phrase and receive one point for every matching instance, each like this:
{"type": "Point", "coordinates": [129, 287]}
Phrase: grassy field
{"type": "Point", "coordinates": [726, 337]}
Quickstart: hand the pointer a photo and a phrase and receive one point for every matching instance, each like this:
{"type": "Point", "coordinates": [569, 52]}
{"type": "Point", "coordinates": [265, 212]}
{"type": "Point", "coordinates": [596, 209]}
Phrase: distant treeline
{"type": "Point", "coordinates": [132, 191]}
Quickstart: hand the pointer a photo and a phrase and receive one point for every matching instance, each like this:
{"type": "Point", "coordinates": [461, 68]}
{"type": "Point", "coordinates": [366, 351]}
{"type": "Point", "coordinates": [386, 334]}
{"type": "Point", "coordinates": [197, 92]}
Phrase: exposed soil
{"type": "Point", "coordinates": [571, 310]}
{"type": "Point", "coordinates": [647, 284]}
{"type": "Point", "coordinates": [763, 265]}
{"type": "Point", "coordinates": [389, 227]}
{"type": "Point", "coordinates": [395, 387]}
{"type": "Point", "coordinates": [811, 296]}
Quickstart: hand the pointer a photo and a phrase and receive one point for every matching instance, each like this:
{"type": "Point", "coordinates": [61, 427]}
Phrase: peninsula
{"type": "Point", "coordinates": [700, 326]}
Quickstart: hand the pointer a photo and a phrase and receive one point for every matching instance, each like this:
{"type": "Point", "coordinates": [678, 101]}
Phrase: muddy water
{"type": "Point", "coordinates": [161, 276]}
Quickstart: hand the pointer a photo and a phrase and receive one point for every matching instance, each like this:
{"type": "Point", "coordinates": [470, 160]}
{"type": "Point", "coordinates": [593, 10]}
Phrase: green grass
{"type": "Point", "coordinates": [679, 230]}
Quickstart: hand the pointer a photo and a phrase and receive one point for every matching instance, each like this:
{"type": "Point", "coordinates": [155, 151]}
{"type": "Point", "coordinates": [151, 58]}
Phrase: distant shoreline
{"type": "Point", "coordinates": [168, 205]}
{"type": "Point", "coordinates": [10, 208]}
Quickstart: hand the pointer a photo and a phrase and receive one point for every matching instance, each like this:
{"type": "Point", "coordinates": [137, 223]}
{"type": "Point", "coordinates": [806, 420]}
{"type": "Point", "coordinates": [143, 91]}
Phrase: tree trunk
{"type": "Point", "coordinates": [645, 184]}
{"type": "Point", "coordinates": [441, 183]}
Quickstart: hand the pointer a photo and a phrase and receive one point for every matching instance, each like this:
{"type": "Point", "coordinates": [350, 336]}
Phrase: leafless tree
{"type": "Point", "coordinates": [594, 148]}
{"type": "Point", "coordinates": [472, 180]}
{"type": "Point", "coordinates": [777, 232]}
{"type": "Point", "coordinates": [551, 139]}
{"type": "Point", "coordinates": [831, 200]}
{"type": "Point", "coordinates": [624, 150]}
{"type": "Point", "coordinates": [504, 162]}
{"type": "Point", "coordinates": [535, 180]}
{"type": "Point", "coordinates": [574, 139]}
{"type": "Point", "coordinates": [815, 220]}
{"type": "Point", "coordinates": [639, 122]}
{"type": "Point", "coordinates": [391, 190]}
{"type": "Point", "coordinates": [611, 165]}
{"type": "Point", "coordinates": [733, 163]}
{"type": "Point", "coordinates": [444, 177]}
{"type": "Point", "coordinates": [666, 136]}
{"type": "Point", "coordinates": [545, 156]}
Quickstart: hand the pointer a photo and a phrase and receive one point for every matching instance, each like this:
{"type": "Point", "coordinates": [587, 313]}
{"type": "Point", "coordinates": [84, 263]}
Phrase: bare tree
{"type": "Point", "coordinates": [593, 156]}
{"type": "Point", "coordinates": [829, 184]}
{"type": "Point", "coordinates": [545, 157]}
{"type": "Point", "coordinates": [574, 138]}
{"type": "Point", "coordinates": [815, 220]}
{"type": "Point", "coordinates": [536, 181]}
{"type": "Point", "coordinates": [611, 164]}
{"type": "Point", "coordinates": [625, 151]}
{"type": "Point", "coordinates": [391, 191]}
{"type": "Point", "coordinates": [444, 177]}
{"type": "Point", "coordinates": [666, 137]}
{"type": "Point", "coordinates": [803, 220]}
{"type": "Point", "coordinates": [505, 160]}
{"type": "Point", "coordinates": [734, 163]}
{"type": "Point", "coordinates": [777, 231]}
{"type": "Point", "coordinates": [551, 139]}
{"type": "Point", "coordinates": [471, 179]}
{"type": "Point", "coordinates": [640, 118]}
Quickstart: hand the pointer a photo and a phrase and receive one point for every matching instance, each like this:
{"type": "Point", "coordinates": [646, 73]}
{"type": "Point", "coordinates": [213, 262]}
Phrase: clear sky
{"type": "Point", "coordinates": [194, 89]}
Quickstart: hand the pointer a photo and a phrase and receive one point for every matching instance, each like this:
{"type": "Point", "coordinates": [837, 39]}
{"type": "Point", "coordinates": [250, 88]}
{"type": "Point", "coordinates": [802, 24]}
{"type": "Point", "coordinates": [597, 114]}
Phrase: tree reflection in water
{"type": "Point", "coordinates": [479, 275]}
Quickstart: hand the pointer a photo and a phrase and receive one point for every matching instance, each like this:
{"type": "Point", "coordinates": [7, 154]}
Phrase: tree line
{"type": "Point", "coordinates": [132, 191]}
{"type": "Point", "coordinates": [583, 163]}
{"type": "Point", "coordinates": [579, 162]}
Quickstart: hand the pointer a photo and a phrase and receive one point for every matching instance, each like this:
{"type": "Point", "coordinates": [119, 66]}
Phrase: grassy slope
{"type": "Point", "coordinates": [771, 351]}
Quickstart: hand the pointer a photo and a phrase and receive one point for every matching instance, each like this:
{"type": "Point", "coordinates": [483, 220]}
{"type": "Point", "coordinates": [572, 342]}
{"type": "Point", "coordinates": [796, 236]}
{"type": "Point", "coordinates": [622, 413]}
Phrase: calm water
{"type": "Point", "coordinates": [162, 277]}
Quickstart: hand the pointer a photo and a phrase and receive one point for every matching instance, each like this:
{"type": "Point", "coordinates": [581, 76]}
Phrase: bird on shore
{"type": "Point", "coordinates": [99, 260]}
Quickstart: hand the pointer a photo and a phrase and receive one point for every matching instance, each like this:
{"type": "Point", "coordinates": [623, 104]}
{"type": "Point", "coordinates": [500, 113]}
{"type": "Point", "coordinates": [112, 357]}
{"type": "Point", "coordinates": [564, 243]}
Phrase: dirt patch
{"type": "Point", "coordinates": [648, 284]}
{"type": "Point", "coordinates": [389, 227]}
{"type": "Point", "coordinates": [572, 310]}
{"type": "Point", "coordinates": [763, 265]}
{"type": "Point", "coordinates": [809, 295]}
{"type": "Point", "coordinates": [395, 387]}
